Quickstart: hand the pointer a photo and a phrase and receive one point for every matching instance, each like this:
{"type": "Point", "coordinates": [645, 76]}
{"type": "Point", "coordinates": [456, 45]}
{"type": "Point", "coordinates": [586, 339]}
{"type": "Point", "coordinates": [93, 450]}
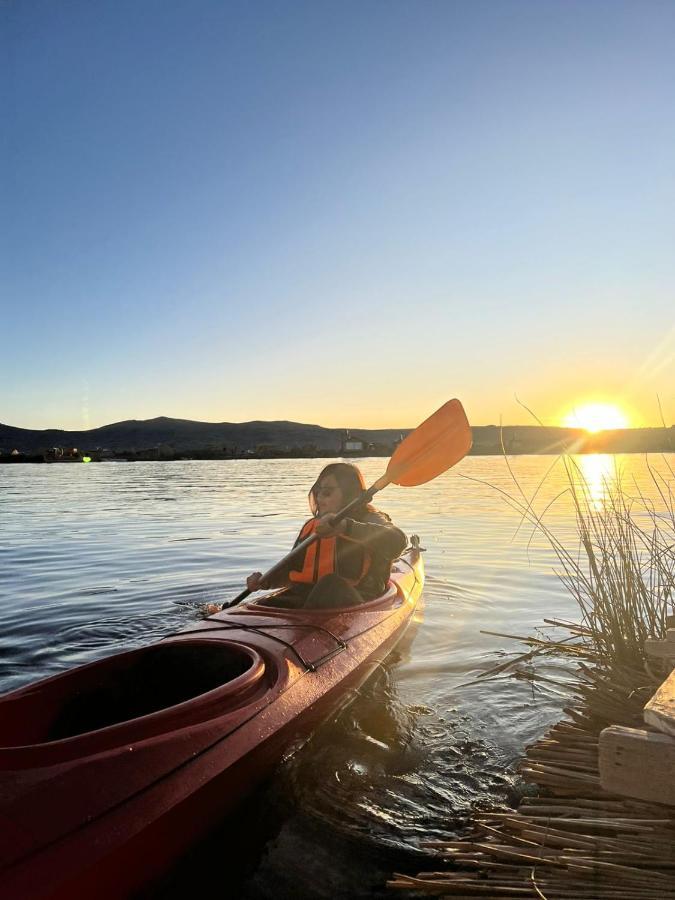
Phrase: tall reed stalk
{"type": "Point", "coordinates": [622, 571]}
{"type": "Point", "coordinates": [623, 580]}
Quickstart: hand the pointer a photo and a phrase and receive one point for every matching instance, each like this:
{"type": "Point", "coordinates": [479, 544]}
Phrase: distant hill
{"type": "Point", "coordinates": [185, 436]}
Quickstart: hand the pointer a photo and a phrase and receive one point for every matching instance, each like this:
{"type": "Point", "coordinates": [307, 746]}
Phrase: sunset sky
{"type": "Point", "coordinates": [336, 212]}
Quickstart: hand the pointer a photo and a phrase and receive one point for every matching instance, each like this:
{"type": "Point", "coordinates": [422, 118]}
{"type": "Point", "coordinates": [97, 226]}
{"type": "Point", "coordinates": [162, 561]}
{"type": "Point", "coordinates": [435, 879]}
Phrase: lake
{"type": "Point", "coordinates": [99, 558]}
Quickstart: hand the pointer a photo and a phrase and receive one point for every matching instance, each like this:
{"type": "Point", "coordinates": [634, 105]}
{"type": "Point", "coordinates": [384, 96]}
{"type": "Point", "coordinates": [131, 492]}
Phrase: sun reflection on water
{"type": "Point", "coordinates": [598, 473]}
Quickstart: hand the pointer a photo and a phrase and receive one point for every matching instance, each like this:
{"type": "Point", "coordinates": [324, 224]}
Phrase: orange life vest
{"type": "Point", "coordinates": [321, 557]}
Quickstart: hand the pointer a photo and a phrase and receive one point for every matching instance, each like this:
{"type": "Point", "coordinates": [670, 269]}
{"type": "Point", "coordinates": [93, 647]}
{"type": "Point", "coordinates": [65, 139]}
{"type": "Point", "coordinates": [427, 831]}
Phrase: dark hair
{"type": "Point", "coordinates": [351, 484]}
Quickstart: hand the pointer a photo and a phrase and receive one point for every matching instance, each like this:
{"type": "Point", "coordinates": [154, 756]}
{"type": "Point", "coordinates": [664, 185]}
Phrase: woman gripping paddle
{"type": "Point", "coordinates": [432, 448]}
{"type": "Point", "coordinates": [349, 562]}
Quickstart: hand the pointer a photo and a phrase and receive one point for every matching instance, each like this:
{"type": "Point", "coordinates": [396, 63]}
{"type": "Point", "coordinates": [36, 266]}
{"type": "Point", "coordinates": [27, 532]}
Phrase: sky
{"type": "Point", "coordinates": [342, 213]}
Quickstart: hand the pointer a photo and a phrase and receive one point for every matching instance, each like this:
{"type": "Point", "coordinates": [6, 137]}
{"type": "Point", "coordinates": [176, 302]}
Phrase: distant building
{"type": "Point", "coordinates": [350, 445]}
{"type": "Point", "coordinates": [63, 454]}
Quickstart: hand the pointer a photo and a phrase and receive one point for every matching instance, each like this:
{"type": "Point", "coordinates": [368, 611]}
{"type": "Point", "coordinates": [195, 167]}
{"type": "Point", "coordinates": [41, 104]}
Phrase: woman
{"type": "Point", "coordinates": [351, 561]}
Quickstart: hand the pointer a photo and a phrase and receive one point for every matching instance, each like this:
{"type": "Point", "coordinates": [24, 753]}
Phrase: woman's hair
{"type": "Point", "coordinates": [350, 481]}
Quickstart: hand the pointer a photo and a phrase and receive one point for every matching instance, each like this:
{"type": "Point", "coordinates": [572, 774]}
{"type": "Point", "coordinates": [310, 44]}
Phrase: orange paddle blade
{"type": "Point", "coordinates": [434, 446]}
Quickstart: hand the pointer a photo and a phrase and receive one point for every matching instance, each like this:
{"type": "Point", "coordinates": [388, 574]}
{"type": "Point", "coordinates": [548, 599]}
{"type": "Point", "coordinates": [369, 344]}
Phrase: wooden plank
{"type": "Point", "coordinates": [660, 711]}
{"type": "Point", "coordinates": [660, 649]}
{"type": "Point", "coordinates": [638, 764]}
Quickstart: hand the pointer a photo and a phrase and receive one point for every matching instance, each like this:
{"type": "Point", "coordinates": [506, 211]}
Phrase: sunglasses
{"type": "Point", "coordinates": [323, 491]}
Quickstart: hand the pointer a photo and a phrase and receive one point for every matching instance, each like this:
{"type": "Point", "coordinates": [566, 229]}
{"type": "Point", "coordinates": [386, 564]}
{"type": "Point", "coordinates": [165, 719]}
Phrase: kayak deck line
{"type": "Point", "coordinates": [260, 629]}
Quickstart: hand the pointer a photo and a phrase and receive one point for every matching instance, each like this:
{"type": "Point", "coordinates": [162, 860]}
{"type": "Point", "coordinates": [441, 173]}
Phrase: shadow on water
{"type": "Point", "coordinates": [349, 807]}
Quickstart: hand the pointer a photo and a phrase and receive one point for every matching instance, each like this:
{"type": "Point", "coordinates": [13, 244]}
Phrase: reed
{"type": "Point", "coordinates": [624, 580]}
{"type": "Point", "coordinates": [622, 570]}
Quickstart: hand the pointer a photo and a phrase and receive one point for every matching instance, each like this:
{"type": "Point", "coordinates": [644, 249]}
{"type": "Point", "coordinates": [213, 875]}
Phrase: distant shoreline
{"type": "Point", "coordinates": [22, 459]}
{"type": "Point", "coordinates": [180, 439]}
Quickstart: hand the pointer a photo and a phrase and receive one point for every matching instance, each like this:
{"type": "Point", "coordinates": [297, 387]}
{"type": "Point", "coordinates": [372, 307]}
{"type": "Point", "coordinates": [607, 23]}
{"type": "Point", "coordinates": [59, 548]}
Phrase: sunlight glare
{"type": "Point", "coordinates": [596, 417]}
{"type": "Point", "coordinates": [598, 475]}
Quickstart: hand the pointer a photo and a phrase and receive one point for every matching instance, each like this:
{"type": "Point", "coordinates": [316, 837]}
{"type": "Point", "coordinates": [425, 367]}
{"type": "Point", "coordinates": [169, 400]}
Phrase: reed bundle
{"type": "Point", "coordinates": [573, 841]}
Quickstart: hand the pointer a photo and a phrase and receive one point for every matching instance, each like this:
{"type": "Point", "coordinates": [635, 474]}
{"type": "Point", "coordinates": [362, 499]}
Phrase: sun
{"type": "Point", "coordinates": [596, 417]}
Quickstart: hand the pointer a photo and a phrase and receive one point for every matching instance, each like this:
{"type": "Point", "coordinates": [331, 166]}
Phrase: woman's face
{"type": "Point", "coordinates": [328, 496]}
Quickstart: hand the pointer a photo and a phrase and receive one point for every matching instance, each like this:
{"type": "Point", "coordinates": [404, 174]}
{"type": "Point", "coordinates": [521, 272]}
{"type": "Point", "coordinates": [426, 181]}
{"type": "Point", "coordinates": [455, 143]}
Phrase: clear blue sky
{"type": "Point", "coordinates": [340, 213]}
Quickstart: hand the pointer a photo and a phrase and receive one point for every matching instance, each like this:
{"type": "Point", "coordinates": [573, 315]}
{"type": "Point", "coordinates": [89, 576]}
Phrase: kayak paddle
{"type": "Point", "coordinates": [428, 451]}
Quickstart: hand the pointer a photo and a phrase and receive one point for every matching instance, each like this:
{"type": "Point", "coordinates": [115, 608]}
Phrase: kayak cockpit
{"type": "Point", "coordinates": [175, 683]}
{"type": "Point", "coordinates": [288, 602]}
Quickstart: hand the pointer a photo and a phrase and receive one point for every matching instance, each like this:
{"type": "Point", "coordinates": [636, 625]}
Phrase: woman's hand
{"type": "Point", "coordinates": [255, 582]}
{"type": "Point", "coordinates": [325, 527]}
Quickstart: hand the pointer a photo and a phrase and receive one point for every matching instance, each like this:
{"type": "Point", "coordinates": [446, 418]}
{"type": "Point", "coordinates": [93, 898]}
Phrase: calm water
{"type": "Point", "coordinates": [100, 558]}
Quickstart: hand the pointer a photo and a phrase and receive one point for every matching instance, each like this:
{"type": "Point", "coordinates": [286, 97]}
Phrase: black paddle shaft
{"type": "Point", "coordinates": [363, 498]}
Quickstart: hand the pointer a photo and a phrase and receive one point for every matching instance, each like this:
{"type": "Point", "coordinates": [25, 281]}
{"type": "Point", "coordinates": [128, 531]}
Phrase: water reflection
{"type": "Point", "coordinates": [93, 560]}
{"type": "Point", "coordinates": [598, 476]}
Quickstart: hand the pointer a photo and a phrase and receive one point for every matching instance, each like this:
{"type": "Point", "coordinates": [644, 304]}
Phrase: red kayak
{"type": "Point", "coordinates": [109, 772]}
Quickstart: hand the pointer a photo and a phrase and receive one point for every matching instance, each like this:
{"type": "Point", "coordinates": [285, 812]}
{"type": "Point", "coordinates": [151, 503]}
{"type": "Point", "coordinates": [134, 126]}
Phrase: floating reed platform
{"type": "Point", "coordinates": [572, 841]}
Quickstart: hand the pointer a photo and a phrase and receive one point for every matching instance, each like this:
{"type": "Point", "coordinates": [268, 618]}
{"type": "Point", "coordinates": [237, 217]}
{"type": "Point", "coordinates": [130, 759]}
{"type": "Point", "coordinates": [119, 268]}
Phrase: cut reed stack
{"type": "Point", "coordinates": [574, 840]}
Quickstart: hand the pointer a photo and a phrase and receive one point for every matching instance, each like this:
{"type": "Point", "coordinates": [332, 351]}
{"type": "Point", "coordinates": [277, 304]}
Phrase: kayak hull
{"type": "Point", "coordinates": [106, 811]}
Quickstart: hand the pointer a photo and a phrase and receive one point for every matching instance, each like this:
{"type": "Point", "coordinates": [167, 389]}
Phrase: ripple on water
{"type": "Point", "coordinates": [97, 559]}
